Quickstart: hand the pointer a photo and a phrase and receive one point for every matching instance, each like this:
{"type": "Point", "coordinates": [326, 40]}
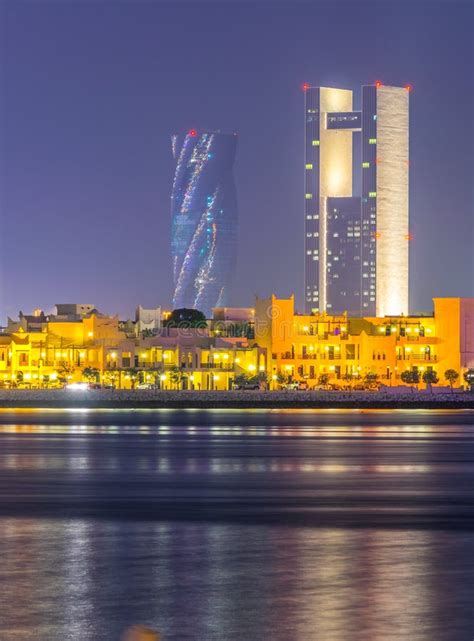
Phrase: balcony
{"type": "Point", "coordinates": [433, 358]}
{"type": "Point", "coordinates": [416, 338]}
{"type": "Point", "coordinates": [325, 356]}
{"type": "Point", "coordinates": [223, 367]}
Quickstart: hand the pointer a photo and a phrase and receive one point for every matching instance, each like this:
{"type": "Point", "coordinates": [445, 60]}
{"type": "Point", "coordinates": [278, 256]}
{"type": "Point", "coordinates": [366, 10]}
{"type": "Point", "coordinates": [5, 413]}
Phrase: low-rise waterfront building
{"type": "Point", "coordinates": [99, 347]}
{"type": "Point", "coordinates": [270, 344]}
{"type": "Point", "coordinates": [342, 350]}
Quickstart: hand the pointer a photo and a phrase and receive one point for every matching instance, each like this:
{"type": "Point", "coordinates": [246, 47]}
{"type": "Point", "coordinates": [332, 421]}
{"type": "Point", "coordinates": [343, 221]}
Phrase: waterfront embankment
{"type": "Point", "coordinates": [317, 399]}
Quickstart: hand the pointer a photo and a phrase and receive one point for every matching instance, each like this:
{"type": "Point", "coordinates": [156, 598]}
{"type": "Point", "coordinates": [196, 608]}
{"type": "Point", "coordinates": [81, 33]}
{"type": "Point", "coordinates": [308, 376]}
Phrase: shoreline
{"type": "Point", "coordinates": [151, 399]}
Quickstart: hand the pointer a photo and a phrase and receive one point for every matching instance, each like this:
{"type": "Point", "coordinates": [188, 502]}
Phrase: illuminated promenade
{"type": "Point", "coordinates": [187, 399]}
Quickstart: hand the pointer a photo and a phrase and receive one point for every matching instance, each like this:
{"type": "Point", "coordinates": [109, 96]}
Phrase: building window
{"type": "Point", "coordinates": [366, 164]}
{"type": "Point", "coordinates": [372, 194]}
{"type": "Point", "coordinates": [350, 352]}
{"type": "Point", "coordinates": [372, 141]}
{"type": "Point", "coordinates": [315, 143]}
{"type": "Point", "coordinates": [309, 165]}
{"type": "Point", "coordinates": [309, 196]}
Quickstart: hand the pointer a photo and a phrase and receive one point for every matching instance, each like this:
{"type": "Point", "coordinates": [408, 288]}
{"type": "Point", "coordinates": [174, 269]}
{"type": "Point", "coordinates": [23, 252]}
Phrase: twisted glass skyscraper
{"type": "Point", "coordinates": [204, 219]}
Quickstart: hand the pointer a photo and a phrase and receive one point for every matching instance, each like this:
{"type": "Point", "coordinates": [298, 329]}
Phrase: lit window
{"type": "Point", "coordinates": [372, 194]}
{"type": "Point", "coordinates": [372, 141]}
{"type": "Point", "coordinates": [315, 143]}
{"type": "Point", "coordinates": [309, 165]}
{"type": "Point", "coordinates": [309, 196]}
{"type": "Point", "coordinates": [375, 116]}
{"type": "Point", "coordinates": [366, 164]}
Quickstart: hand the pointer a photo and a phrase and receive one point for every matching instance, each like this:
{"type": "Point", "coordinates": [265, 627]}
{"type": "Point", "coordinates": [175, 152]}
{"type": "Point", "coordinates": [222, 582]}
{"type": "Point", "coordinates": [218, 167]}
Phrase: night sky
{"type": "Point", "coordinates": [91, 92]}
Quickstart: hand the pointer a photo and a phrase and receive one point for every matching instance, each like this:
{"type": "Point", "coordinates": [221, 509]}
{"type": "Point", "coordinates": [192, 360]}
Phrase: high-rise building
{"type": "Point", "coordinates": [204, 219]}
{"type": "Point", "coordinates": [356, 244]}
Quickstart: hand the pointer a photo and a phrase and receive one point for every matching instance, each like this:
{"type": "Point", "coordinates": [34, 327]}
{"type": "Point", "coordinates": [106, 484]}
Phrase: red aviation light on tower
{"type": "Point", "coordinates": [305, 86]}
{"type": "Point", "coordinates": [193, 133]}
{"type": "Point", "coordinates": [378, 84]}
{"type": "Point", "coordinates": [409, 88]}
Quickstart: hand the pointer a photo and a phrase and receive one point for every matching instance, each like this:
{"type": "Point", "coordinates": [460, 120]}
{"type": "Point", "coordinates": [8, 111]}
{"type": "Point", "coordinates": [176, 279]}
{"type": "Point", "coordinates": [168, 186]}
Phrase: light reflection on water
{"type": "Point", "coordinates": [225, 526]}
{"type": "Point", "coordinates": [78, 580]}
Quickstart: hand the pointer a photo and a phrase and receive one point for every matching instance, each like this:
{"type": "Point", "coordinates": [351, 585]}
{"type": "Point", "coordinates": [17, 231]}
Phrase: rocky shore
{"type": "Point", "coordinates": [142, 399]}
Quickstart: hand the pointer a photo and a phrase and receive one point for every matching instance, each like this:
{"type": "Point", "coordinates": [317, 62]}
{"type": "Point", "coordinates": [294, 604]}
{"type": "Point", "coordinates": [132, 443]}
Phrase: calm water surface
{"type": "Point", "coordinates": [230, 525]}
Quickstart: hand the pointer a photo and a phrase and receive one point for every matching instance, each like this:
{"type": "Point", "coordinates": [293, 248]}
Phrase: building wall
{"type": "Point", "coordinates": [392, 201]}
{"type": "Point", "coordinates": [343, 255]}
{"type": "Point", "coordinates": [467, 332]}
{"type": "Point", "coordinates": [455, 329]}
{"type": "Point", "coordinates": [311, 203]}
{"type": "Point", "coordinates": [335, 178]}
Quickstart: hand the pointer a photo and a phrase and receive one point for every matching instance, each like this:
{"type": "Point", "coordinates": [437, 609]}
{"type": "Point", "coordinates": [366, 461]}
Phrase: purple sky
{"type": "Point", "coordinates": [91, 91]}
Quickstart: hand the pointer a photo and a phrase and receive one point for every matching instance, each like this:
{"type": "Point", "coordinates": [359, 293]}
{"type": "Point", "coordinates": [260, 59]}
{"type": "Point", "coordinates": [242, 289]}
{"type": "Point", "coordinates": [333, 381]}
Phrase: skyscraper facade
{"type": "Point", "coordinates": [204, 219]}
{"type": "Point", "coordinates": [356, 250]}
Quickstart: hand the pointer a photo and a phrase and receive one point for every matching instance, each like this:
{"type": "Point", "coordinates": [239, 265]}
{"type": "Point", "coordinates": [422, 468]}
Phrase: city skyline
{"type": "Point", "coordinates": [97, 183]}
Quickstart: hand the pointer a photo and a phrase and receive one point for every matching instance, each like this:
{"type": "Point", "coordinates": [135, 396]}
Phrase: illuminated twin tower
{"type": "Point", "coordinates": [356, 247]}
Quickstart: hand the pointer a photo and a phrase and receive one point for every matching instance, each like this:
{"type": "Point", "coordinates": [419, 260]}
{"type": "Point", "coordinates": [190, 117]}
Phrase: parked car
{"type": "Point", "coordinates": [246, 386]}
{"type": "Point", "coordinates": [297, 385]}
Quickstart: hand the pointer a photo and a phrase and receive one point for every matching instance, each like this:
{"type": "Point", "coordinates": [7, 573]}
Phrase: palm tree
{"type": "Point", "coordinates": [185, 318]}
{"type": "Point", "coordinates": [112, 377]}
{"type": "Point", "coordinates": [323, 380]}
{"type": "Point", "coordinates": [176, 376]}
{"type": "Point", "coordinates": [469, 378]}
{"type": "Point", "coordinates": [283, 379]}
{"type": "Point", "coordinates": [347, 377]}
{"type": "Point", "coordinates": [370, 379]}
{"type": "Point", "coordinates": [451, 376]}
{"type": "Point", "coordinates": [132, 373]}
{"type": "Point", "coordinates": [65, 371]}
{"type": "Point", "coordinates": [241, 379]}
{"type": "Point", "coordinates": [430, 378]}
{"type": "Point", "coordinates": [411, 377]}
{"type": "Point", "coordinates": [262, 379]}
{"type": "Point", "coordinates": [91, 374]}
